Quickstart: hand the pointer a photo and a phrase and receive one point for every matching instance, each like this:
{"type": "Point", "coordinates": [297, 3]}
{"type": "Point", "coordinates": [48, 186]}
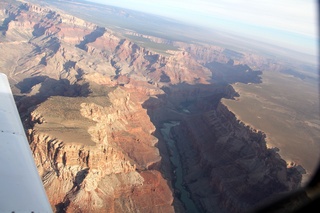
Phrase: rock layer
{"type": "Point", "coordinates": [227, 166]}
{"type": "Point", "coordinates": [88, 158]}
{"type": "Point", "coordinates": [86, 96]}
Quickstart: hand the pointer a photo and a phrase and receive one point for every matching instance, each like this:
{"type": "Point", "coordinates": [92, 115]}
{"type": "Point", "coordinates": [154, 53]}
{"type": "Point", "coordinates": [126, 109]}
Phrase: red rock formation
{"type": "Point", "coordinates": [109, 168]}
{"type": "Point", "coordinates": [92, 139]}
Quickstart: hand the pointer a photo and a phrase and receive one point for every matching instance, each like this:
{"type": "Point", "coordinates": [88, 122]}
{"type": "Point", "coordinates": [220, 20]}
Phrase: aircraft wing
{"type": "Point", "coordinates": [21, 189]}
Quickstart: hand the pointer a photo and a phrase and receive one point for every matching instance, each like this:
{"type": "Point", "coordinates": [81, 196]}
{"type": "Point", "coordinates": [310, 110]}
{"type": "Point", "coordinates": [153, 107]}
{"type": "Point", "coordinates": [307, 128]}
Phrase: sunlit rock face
{"type": "Point", "coordinates": [86, 152]}
{"type": "Point", "coordinates": [93, 102]}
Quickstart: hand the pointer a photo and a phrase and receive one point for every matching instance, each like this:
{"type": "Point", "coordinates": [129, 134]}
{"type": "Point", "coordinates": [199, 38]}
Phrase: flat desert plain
{"type": "Point", "coordinates": [287, 110]}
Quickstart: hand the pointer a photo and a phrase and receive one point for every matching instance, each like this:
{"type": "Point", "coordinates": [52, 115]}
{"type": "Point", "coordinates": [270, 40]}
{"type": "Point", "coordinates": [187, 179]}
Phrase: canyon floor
{"type": "Point", "coordinates": [120, 119]}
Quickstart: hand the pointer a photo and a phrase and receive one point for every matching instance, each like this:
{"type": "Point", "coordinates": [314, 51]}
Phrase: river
{"type": "Point", "coordinates": [176, 161]}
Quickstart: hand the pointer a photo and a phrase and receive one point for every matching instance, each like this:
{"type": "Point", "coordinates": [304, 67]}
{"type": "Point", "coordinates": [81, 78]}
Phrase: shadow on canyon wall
{"type": "Point", "coordinates": [98, 32]}
{"type": "Point", "coordinates": [231, 73]}
{"type": "Point", "coordinates": [36, 90]}
{"type": "Point", "coordinates": [226, 164]}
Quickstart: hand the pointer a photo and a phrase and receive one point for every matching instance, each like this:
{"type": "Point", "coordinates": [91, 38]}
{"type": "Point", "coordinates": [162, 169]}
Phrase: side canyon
{"type": "Point", "coordinates": [93, 104]}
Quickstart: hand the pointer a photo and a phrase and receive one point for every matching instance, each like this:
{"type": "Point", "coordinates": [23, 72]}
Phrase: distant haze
{"type": "Point", "coordinates": [290, 24]}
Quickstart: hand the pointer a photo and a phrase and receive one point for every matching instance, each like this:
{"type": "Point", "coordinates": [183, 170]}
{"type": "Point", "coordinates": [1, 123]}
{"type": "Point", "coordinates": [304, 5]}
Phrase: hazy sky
{"type": "Point", "coordinates": [287, 23]}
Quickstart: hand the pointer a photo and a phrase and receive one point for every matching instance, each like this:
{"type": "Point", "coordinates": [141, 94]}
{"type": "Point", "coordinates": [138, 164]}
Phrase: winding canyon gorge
{"type": "Point", "coordinates": [118, 127]}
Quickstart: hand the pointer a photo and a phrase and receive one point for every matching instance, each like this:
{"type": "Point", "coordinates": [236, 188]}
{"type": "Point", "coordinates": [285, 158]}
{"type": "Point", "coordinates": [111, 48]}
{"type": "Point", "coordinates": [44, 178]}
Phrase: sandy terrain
{"type": "Point", "coordinates": [287, 110]}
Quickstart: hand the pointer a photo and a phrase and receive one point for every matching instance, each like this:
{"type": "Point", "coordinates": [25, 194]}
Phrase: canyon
{"type": "Point", "coordinates": [93, 104]}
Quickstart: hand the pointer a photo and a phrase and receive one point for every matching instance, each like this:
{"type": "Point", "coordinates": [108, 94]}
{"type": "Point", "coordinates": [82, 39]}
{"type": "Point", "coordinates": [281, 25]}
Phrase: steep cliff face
{"type": "Point", "coordinates": [92, 141]}
{"type": "Point", "coordinates": [128, 58]}
{"type": "Point", "coordinates": [230, 161]}
{"type": "Point", "coordinates": [101, 168]}
{"type": "Point", "coordinates": [205, 54]}
{"type": "Point", "coordinates": [86, 95]}
{"type": "Point", "coordinates": [62, 46]}
{"type": "Point", "coordinates": [226, 164]}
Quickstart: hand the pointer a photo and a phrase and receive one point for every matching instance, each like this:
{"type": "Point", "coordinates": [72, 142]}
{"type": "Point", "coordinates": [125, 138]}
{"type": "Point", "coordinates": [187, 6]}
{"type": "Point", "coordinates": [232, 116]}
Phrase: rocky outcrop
{"type": "Point", "coordinates": [232, 162]}
{"type": "Point", "coordinates": [226, 164]}
{"type": "Point", "coordinates": [99, 31]}
{"type": "Point", "coordinates": [206, 54]}
{"type": "Point", "coordinates": [68, 169]}
{"type": "Point", "coordinates": [61, 46]}
{"type": "Point", "coordinates": [102, 168]}
{"type": "Point", "coordinates": [87, 96]}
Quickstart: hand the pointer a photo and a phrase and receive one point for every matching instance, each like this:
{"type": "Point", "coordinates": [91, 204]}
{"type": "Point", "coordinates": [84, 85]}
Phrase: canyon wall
{"type": "Point", "coordinates": [87, 154]}
{"type": "Point", "coordinates": [229, 163]}
{"type": "Point", "coordinates": [227, 166]}
{"type": "Point", "coordinates": [93, 102]}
